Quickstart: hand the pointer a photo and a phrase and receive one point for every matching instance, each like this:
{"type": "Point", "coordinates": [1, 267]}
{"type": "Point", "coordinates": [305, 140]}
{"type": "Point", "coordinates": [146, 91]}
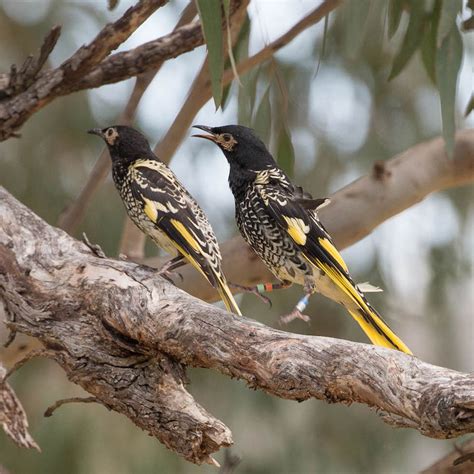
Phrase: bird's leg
{"type": "Point", "coordinates": [261, 288]}
{"type": "Point", "coordinates": [167, 270]}
{"type": "Point", "coordinates": [297, 312]}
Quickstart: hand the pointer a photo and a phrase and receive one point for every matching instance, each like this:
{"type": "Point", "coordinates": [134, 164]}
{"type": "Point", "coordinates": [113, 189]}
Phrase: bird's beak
{"type": "Point", "coordinates": [96, 131]}
{"type": "Point", "coordinates": [212, 137]}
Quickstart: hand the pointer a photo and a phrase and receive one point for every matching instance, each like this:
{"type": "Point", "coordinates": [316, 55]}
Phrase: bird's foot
{"type": "Point", "coordinates": [167, 271]}
{"type": "Point", "coordinates": [295, 314]}
{"type": "Point", "coordinates": [96, 248]}
{"type": "Point", "coordinates": [252, 289]}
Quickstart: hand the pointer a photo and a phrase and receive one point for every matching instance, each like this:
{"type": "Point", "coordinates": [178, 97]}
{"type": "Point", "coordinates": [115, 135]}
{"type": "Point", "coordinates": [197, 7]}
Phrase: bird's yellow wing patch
{"type": "Point", "coordinates": [150, 210]}
{"type": "Point", "coordinates": [297, 229]}
{"type": "Point", "coordinates": [186, 235]}
{"type": "Point", "coordinates": [331, 250]}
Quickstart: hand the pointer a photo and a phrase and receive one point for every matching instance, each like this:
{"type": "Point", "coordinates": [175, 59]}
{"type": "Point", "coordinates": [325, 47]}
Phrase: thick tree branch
{"type": "Point", "coordinates": [357, 209]}
{"type": "Point", "coordinates": [125, 335]}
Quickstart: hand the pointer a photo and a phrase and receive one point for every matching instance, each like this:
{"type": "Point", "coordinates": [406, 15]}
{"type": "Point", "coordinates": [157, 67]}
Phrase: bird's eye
{"type": "Point", "coordinates": [227, 137]}
{"type": "Point", "coordinates": [109, 132]}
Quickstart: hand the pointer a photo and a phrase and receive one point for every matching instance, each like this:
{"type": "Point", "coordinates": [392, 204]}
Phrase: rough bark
{"type": "Point", "coordinates": [357, 209]}
{"type": "Point", "coordinates": [12, 415]}
{"type": "Point", "coordinates": [126, 336]}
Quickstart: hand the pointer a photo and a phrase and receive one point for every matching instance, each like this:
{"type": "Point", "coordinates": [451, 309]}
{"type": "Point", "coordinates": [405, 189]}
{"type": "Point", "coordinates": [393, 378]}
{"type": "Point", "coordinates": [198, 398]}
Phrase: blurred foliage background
{"type": "Point", "coordinates": [327, 98]}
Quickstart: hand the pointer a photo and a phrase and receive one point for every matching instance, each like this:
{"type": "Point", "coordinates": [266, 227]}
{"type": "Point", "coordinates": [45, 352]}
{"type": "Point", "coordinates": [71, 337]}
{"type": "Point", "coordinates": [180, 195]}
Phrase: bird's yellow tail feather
{"type": "Point", "coordinates": [227, 296]}
{"type": "Point", "coordinates": [378, 331]}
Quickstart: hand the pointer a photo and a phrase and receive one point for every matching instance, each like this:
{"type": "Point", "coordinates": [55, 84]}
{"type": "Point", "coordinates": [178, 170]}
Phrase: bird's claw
{"type": "Point", "coordinates": [250, 289]}
{"type": "Point", "coordinates": [295, 314]}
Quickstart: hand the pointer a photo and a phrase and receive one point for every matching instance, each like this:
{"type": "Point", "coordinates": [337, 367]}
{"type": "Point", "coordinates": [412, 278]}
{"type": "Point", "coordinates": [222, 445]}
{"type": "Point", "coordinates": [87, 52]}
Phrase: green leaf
{"type": "Point", "coordinates": [210, 14]}
{"type": "Point", "coordinates": [395, 10]}
{"type": "Point", "coordinates": [355, 16]}
{"type": "Point", "coordinates": [448, 64]}
{"type": "Point", "coordinates": [428, 46]}
{"type": "Point", "coordinates": [412, 39]}
{"type": "Point", "coordinates": [449, 12]}
{"type": "Point", "coordinates": [263, 117]}
{"type": "Point", "coordinates": [470, 106]}
{"type": "Point", "coordinates": [285, 151]}
{"type": "Point", "coordinates": [240, 52]}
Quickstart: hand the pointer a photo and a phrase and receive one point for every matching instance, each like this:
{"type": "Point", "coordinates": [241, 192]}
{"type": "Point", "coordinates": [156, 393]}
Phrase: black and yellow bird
{"type": "Point", "coordinates": [280, 222]}
{"type": "Point", "coordinates": [162, 208]}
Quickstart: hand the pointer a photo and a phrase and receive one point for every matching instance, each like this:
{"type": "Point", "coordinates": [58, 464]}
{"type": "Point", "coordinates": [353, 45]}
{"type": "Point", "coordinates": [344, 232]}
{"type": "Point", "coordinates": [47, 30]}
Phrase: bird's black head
{"type": "Point", "coordinates": [125, 143]}
{"type": "Point", "coordinates": [241, 146]}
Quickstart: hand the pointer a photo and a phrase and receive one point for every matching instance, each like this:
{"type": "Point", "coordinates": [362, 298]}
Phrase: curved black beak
{"type": "Point", "coordinates": [212, 135]}
{"type": "Point", "coordinates": [96, 131]}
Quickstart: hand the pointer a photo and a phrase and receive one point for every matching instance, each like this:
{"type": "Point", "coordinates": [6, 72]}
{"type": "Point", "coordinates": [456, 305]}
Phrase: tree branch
{"type": "Point", "coordinates": [357, 209]}
{"type": "Point", "coordinates": [125, 335]}
{"type": "Point", "coordinates": [70, 77]}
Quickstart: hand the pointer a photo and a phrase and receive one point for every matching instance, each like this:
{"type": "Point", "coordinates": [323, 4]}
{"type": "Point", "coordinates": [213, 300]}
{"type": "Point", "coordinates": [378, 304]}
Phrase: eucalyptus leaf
{"type": "Point", "coordinates": [240, 52]}
{"type": "Point", "coordinates": [210, 13]}
{"type": "Point", "coordinates": [448, 64]}
{"type": "Point", "coordinates": [428, 46]}
{"type": "Point", "coordinates": [412, 39]}
{"type": "Point", "coordinates": [447, 22]}
{"type": "Point", "coordinates": [395, 10]}
{"type": "Point", "coordinates": [470, 106]}
{"type": "Point", "coordinates": [263, 117]}
{"type": "Point", "coordinates": [285, 151]}
{"type": "Point", "coordinates": [355, 17]}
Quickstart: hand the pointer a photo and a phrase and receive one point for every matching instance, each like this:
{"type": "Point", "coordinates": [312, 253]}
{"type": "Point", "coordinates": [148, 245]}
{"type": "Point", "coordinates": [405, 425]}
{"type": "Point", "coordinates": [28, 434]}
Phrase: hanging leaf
{"type": "Point", "coordinates": [355, 15]}
{"type": "Point", "coordinates": [323, 45]}
{"type": "Point", "coordinates": [448, 64]}
{"type": "Point", "coordinates": [240, 52]}
{"type": "Point", "coordinates": [412, 39]}
{"type": "Point", "coordinates": [263, 117]}
{"type": "Point", "coordinates": [428, 46]}
{"type": "Point", "coordinates": [285, 151]}
{"type": "Point", "coordinates": [449, 12]}
{"type": "Point", "coordinates": [470, 106]}
{"type": "Point", "coordinates": [210, 14]}
{"type": "Point", "coordinates": [395, 10]}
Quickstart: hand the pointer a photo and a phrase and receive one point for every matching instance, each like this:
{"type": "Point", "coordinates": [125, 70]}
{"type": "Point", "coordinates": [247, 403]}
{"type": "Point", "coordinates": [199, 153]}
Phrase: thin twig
{"type": "Point", "coordinates": [27, 357]}
{"type": "Point", "coordinates": [50, 410]}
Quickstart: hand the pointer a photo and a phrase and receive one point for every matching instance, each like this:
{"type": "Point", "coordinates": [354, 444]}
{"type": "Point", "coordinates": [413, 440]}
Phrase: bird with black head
{"type": "Point", "coordinates": [162, 208]}
{"type": "Point", "coordinates": [280, 222]}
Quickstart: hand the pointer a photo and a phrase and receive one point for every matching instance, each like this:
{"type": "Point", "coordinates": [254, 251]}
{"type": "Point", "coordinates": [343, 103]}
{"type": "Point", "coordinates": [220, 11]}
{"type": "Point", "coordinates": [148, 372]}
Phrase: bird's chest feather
{"type": "Point", "coordinates": [268, 240]}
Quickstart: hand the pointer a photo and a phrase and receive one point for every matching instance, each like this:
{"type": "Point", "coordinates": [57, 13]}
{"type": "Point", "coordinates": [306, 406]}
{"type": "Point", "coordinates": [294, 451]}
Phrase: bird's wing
{"type": "Point", "coordinates": [304, 228]}
{"type": "Point", "coordinates": [172, 209]}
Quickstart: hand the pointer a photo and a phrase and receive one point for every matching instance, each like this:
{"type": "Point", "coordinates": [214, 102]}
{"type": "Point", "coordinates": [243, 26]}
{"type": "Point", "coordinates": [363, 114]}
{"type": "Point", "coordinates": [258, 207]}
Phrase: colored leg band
{"type": "Point", "coordinates": [261, 288]}
{"type": "Point", "coordinates": [302, 303]}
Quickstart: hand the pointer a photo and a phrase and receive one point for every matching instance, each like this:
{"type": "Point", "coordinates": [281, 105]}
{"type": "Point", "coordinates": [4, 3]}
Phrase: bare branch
{"type": "Point", "coordinates": [356, 210]}
{"type": "Point", "coordinates": [125, 335]}
{"type": "Point", "coordinates": [50, 410]}
{"type": "Point", "coordinates": [17, 81]}
{"type": "Point", "coordinates": [12, 416]}
{"type": "Point", "coordinates": [69, 76]}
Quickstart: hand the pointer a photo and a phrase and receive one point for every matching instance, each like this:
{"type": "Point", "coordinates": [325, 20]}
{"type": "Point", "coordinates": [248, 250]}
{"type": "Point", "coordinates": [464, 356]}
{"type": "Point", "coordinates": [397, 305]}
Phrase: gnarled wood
{"type": "Point", "coordinates": [125, 335]}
